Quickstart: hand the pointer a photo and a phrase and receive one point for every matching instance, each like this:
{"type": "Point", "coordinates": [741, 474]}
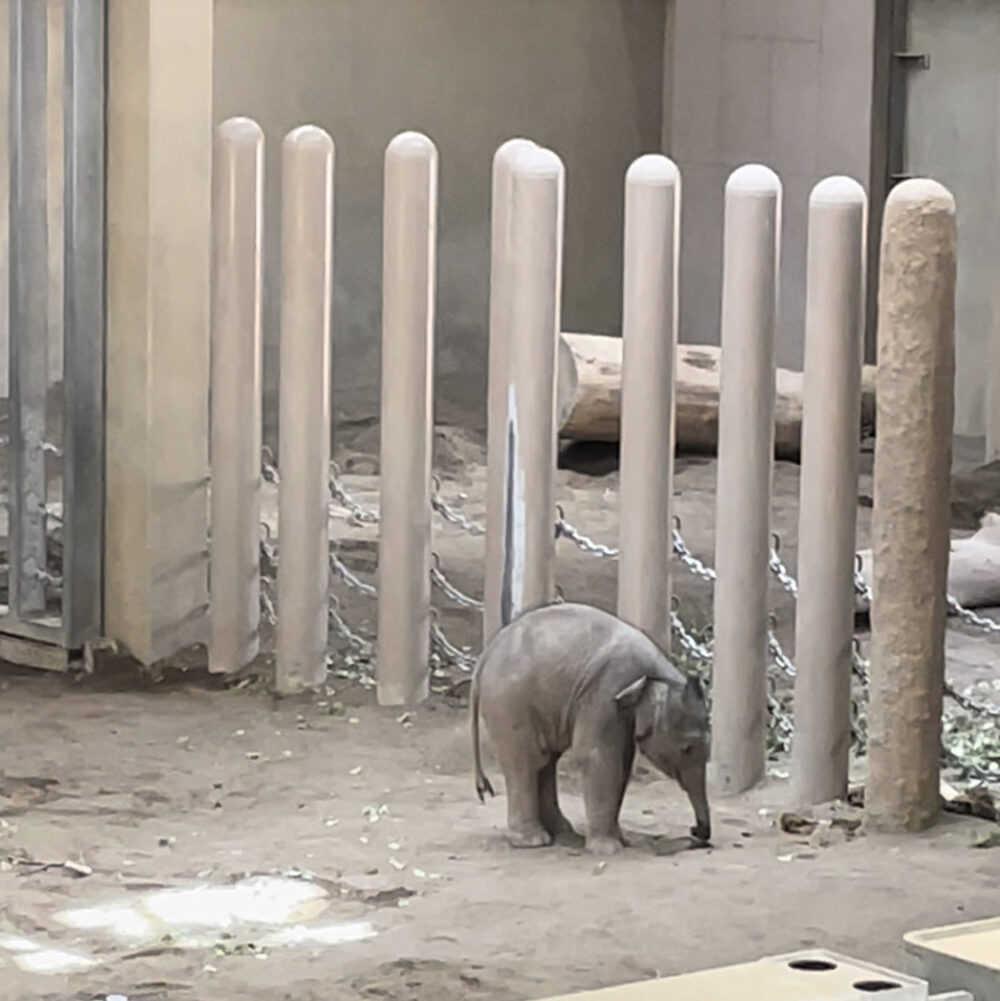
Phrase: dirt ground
{"type": "Point", "coordinates": [146, 783]}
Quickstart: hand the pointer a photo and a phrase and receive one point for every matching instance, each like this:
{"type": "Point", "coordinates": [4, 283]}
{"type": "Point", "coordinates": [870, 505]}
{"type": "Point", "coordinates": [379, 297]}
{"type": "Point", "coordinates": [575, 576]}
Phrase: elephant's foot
{"type": "Point", "coordinates": [604, 844]}
{"type": "Point", "coordinates": [529, 837]}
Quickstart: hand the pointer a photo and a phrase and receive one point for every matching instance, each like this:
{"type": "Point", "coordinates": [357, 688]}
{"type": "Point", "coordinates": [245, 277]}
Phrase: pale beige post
{"type": "Point", "coordinates": [534, 290]}
{"type": "Point", "coordinates": [824, 622]}
{"type": "Point", "coordinates": [304, 408]}
{"type": "Point", "coordinates": [234, 572]}
{"type": "Point", "coordinates": [910, 522]}
{"type": "Point", "coordinates": [408, 275]}
{"type": "Point", "coordinates": [743, 500]}
{"type": "Point", "coordinates": [159, 237]}
{"type": "Point", "coordinates": [649, 332]}
{"type": "Point", "coordinates": [500, 337]}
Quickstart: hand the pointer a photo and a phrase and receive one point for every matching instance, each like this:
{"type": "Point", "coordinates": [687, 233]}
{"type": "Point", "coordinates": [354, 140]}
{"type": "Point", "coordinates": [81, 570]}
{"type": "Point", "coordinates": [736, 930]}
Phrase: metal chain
{"type": "Point", "coordinates": [686, 557]}
{"type": "Point", "coordinates": [781, 659]}
{"type": "Point", "coordinates": [360, 513]}
{"type": "Point", "coordinates": [969, 704]}
{"type": "Point", "coordinates": [700, 651]}
{"type": "Point", "coordinates": [338, 567]}
{"type": "Point", "coordinates": [363, 646]}
{"type": "Point", "coordinates": [779, 569]}
{"type": "Point", "coordinates": [441, 581]}
{"type": "Point", "coordinates": [971, 618]}
{"type": "Point", "coordinates": [451, 515]}
{"type": "Point", "coordinates": [462, 659]}
{"type": "Point", "coordinates": [567, 531]}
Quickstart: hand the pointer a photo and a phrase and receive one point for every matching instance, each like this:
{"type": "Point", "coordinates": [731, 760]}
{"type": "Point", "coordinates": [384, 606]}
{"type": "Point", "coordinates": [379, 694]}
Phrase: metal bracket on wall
{"type": "Point", "coordinates": [916, 60]}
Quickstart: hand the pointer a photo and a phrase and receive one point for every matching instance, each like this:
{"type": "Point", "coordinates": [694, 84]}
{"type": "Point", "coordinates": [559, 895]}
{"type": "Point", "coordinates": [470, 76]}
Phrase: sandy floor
{"type": "Point", "coordinates": [146, 785]}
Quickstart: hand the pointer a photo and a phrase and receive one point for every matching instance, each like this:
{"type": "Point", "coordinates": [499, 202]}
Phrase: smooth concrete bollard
{"type": "Point", "coordinates": [910, 521]}
{"type": "Point", "coordinates": [500, 338]}
{"type": "Point", "coordinates": [237, 216]}
{"type": "Point", "coordinates": [304, 495]}
{"type": "Point", "coordinates": [743, 499]}
{"type": "Point", "coordinates": [533, 306]}
{"type": "Point", "coordinates": [824, 614]}
{"type": "Point", "coordinates": [408, 277]}
{"type": "Point", "coordinates": [649, 332]}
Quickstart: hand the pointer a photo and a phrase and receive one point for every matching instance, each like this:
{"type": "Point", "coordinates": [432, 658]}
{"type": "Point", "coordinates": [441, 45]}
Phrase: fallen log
{"type": "Point", "coordinates": [973, 567]}
{"type": "Point", "coordinates": [589, 403]}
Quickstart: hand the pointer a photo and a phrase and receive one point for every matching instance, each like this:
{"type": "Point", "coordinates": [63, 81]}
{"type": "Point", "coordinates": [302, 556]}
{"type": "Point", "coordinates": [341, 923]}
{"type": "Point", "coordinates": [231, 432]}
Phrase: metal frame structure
{"type": "Point", "coordinates": [26, 622]}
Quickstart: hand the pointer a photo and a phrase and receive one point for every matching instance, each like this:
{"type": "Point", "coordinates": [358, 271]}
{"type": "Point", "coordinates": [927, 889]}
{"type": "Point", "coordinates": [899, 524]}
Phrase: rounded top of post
{"type": "Point", "coordinates": [513, 148]}
{"type": "Point", "coordinates": [538, 162]}
{"type": "Point", "coordinates": [411, 146]}
{"type": "Point", "coordinates": [754, 179]}
{"type": "Point", "coordinates": [241, 130]}
{"type": "Point", "coordinates": [309, 137]}
{"type": "Point", "coordinates": [921, 190]}
{"type": "Point", "coordinates": [837, 190]}
{"type": "Point", "coordinates": [652, 168]}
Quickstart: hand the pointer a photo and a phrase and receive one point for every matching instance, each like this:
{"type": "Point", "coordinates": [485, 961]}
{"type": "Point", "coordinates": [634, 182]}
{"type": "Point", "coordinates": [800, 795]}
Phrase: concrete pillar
{"type": "Point", "coordinates": [159, 119]}
{"type": "Point", "coordinates": [910, 521]}
{"type": "Point", "coordinates": [237, 218]}
{"type": "Point", "coordinates": [500, 337]}
{"type": "Point", "coordinates": [534, 290]}
{"type": "Point", "coordinates": [649, 332]}
{"type": "Point", "coordinates": [29, 304]}
{"type": "Point", "coordinates": [304, 408]}
{"type": "Point", "coordinates": [409, 250]}
{"type": "Point", "coordinates": [743, 499]}
{"type": "Point", "coordinates": [824, 622]}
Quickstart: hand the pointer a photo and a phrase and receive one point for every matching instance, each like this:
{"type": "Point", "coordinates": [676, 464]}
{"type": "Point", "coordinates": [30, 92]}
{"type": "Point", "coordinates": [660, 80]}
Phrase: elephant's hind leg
{"type": "Point", "coordinates": [553, 819]}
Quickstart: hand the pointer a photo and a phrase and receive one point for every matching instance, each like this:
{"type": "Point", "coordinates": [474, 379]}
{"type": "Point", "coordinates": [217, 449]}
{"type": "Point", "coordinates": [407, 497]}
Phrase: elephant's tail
{"type": "Point", "coordinates": [483, 784]}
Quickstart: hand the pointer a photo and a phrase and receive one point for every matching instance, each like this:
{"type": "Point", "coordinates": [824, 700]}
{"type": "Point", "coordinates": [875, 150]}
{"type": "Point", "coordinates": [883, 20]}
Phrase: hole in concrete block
{"type": "Point", "coordinates": [813, 965]}
{"type": "Point", "coordinates": [872, 986]}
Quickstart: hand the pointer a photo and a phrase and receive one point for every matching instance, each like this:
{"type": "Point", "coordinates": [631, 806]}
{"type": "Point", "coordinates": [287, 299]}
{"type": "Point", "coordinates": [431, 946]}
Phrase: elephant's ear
{"type": "Point", "coordinates": [628, 698]}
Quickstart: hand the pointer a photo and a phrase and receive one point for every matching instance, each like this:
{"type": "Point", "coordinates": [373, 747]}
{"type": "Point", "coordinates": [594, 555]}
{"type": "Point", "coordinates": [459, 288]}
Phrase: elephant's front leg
{"type": "Point", "coordinates": [606, 774]}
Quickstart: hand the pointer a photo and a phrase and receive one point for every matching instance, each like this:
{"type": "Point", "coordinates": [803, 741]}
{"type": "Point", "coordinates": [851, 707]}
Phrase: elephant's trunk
{"type": "Point", "coordinates": [693, 783]}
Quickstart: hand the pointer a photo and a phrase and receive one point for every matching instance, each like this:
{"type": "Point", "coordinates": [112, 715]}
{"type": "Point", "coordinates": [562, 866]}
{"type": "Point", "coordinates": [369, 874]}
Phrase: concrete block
{"type": "Point", "coordinates": [962, 957]}
{"type": "Point", "coordinates": [810, 975]}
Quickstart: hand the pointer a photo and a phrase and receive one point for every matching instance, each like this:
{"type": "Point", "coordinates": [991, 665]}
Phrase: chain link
{"type": "Point", "coordinates": [969, 704]}
{"type": "Point", "coordinates": [359, 643]}
{"type": "Point", "coordinates": [341, 570]}
{"type": "Point", "coordinates": [452, 515]}
{"type": "Point", "coordinates": [567, 531]}
{"type": "Point", "coordinates": [971, 618]}
{"type": "Point", "coordinates": [686, 557]}
{"type": "Point", "coordinates": [700, 651]}
{"type": "Point", "coordinates": [779, 569]}
{"type": "Point", "coordinates": [781, 659]}
{"type": "Point", "coordinates": [441, 581]}
{"type": "Point", "coordinates": [462, 659]}
{"type": "Point", "coordinates": [359, 513]}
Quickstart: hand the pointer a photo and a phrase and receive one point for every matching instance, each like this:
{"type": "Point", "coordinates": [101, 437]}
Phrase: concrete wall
{"type": "Point", "coordinates": [582, 76]}
{"type": "Point", "coordinates": [783, 82]}
{"type": "Point", "coordinates": [953, 135]}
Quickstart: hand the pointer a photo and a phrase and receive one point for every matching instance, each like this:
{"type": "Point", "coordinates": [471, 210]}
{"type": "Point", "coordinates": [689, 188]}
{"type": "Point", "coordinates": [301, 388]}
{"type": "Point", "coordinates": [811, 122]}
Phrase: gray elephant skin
{"type": "Point", "coordinates": [569, 676]}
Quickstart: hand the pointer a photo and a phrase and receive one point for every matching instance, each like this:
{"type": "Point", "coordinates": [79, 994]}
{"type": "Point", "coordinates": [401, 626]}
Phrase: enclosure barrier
{"type": "Point", "coordinates": [520, 532]}
{"type": "Point", "coordinates": [910, 520]}
{"type": "Point", "coordinates": [306, 289]}
{"type": "Point", "coordinates": [234, 586]}
{"type": "Point", "coordinates": [743, 495]}
{"type": "Point", "coordinates": [824, 613]}
{"type": "Point", "coordinates": [649, 333]}
{"type": "Point", "coordinates": [408, 277]}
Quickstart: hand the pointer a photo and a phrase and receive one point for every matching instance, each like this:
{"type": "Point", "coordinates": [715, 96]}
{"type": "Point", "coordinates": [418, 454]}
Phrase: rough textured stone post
{"type": "Point", "coordinates": [824, 620]}
{"type": "Point", "coordinates": [237, 216]}
{"type": "Point", "coordinates": [408, 275]}
{"type": "Point", "coordinates": [910, 522]}
{"type": "Point", "coordinates": [534, 289]}
{"type": "Point", "coordinates": [500, 336]}
{"type": "Point", "coordinates": [304, 494]}
{"type": "Point", "coordinates": [743, 500]}
{"type": "Point", "coordinates": [649, 332]}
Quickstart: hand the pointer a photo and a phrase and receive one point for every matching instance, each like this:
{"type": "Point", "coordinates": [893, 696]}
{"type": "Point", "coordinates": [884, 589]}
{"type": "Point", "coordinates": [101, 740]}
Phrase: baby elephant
{"type": "Point", "coordinates": [571, 676]}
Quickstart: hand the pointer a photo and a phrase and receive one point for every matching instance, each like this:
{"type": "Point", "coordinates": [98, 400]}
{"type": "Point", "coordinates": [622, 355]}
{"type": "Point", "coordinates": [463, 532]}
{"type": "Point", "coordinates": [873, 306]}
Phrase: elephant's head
{"type": "Point", "coordinates": [672, 729]}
